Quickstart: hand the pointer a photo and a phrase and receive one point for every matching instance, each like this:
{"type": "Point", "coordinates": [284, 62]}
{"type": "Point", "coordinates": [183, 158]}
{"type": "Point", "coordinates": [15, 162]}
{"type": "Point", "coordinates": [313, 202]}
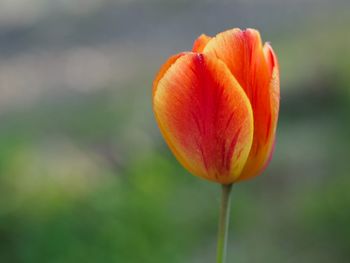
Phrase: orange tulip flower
{"type": "Point", "coordinates": [217, 106]}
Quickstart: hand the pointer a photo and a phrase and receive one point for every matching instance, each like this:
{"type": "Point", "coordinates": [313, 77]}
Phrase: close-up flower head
{"type": "Point", "coordinates": [217, 106]}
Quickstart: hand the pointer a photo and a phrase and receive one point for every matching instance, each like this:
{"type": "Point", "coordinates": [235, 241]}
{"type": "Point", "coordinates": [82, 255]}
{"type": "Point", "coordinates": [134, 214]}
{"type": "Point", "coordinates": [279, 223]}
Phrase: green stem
{"type": "Point", "coordinates": [223, 223]}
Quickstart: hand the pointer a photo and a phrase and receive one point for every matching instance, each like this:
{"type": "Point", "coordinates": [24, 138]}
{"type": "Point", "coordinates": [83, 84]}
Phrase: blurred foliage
{"type": "Point", "coordinates": [85, 175]}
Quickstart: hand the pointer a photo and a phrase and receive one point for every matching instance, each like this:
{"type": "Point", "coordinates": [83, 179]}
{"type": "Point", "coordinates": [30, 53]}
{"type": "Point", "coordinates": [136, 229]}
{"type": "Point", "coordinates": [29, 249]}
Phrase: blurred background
{"type": "Point", "coordinates": [85, 175]}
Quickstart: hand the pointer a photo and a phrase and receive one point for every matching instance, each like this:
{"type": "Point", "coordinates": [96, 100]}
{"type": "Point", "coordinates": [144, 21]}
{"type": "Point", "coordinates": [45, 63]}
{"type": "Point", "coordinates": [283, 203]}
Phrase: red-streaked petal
{"type": "Point", "coordinates": [205, 117]}
{"type": "Point", "coordinates": [256, 164]}
{"type": "Point", "coordinates": [200, 43]}
{"type": "Point", "coordinates": [256, 69]}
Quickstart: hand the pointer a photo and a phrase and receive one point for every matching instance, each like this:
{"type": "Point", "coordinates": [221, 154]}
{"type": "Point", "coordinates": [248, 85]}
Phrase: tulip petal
{"type": "Point", "coordinates": [256, 69]}
{"type": "Point", "coordinates": [205, 117]}
{"type": "Point", "coordinates": [200, 43]}
{"type": "Point", "coordinates": [256, 165]}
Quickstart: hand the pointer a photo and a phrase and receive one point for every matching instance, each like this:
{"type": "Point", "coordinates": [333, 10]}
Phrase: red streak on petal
{"type": "Point", "coordinates": [231, 149]}
{"type": "Point", "coordinates": [229, 120]}
{"type": "Point", "coordinates": [203, 157]}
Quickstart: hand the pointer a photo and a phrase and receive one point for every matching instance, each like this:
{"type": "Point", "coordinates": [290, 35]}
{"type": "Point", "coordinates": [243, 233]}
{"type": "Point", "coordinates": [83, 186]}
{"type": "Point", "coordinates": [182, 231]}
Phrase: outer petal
{"type": "Point", "coordinates": [256, 70]}
{"type": "Point", "coordinates": [205, 117]}
{"type": "Point", "coordinates": [251, 169]}
{"type": "Point", "coordinates": [200, 43]}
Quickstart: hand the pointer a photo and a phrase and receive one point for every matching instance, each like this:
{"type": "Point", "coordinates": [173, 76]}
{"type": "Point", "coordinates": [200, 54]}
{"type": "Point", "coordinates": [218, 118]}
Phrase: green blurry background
{"type": "Point", "coordinates": [85, 175]}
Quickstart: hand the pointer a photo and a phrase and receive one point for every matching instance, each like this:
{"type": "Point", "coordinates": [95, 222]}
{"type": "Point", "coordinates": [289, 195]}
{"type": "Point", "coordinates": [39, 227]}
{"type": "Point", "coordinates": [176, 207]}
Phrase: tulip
{"type": "Point", "coordinates": [217, 108]}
